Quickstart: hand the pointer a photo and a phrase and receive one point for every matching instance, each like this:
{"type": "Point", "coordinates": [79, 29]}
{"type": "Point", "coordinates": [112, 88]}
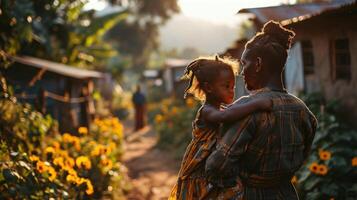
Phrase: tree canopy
{"type": "Point", "coordinates": [137, 36]}
{"type": "Point", "coordinates": [55, 30]}
{"type": "Point", "coordinates": [59, 30]}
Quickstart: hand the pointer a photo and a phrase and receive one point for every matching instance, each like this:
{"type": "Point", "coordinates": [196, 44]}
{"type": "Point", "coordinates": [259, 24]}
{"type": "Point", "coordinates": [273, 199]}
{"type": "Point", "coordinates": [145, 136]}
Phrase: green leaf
{"type": "Point", "coordinates": [24, 164]}
{"type": "Point", "coordinates": [311, 182]}
{"type": "Point", "coordinates": [10, 176]}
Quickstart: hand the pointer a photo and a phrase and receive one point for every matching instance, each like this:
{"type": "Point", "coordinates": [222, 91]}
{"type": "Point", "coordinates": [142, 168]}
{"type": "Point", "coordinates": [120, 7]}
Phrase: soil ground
{"type": "Point", "coordinates": [152, 172]}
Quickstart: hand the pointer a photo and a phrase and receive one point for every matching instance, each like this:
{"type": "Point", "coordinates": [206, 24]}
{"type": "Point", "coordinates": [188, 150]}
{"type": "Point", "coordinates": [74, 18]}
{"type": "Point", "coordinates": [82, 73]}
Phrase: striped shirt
{"type": "Point", "coordinates": [265, 149]}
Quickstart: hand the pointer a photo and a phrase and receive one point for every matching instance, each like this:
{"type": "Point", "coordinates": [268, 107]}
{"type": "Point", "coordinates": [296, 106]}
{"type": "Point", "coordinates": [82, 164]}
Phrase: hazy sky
{"type": "Point", "coordinates": [217, 11]}
{"type": "Point", "coordinates": [222, 11]}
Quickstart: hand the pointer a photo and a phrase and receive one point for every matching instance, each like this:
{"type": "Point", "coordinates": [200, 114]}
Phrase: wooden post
{"type": "Point", "coordinates": [42, 101]}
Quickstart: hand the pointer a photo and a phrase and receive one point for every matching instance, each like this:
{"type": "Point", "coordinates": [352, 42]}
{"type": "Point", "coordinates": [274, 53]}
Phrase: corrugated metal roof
{"type": "Point", "coordinates": [57, 68]}
{"type": "Point", "coordinates": [297, 12]}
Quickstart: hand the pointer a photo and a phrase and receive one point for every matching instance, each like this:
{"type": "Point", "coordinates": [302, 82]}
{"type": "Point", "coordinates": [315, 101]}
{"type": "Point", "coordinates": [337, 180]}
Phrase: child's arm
{"type": "Point", "coordinates": [236, 111]}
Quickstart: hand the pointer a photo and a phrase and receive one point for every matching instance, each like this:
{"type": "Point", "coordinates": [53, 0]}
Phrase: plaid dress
{"type": "Point", "coordinates": [192, 183]}
{"type": "Point", "coordinates": [265, 149]}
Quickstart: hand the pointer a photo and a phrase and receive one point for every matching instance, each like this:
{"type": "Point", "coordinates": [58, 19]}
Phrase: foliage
{"type": "Point", "coordinates": [331, 170]}
{"type": "Point", "coordinates": [173, 123]}
{"type": "Point", "coordinates": [38, 162]}
{"type": "Point", "coordinates": [55, 30]}
{"type": "Point", "coordinates": [137, 36]}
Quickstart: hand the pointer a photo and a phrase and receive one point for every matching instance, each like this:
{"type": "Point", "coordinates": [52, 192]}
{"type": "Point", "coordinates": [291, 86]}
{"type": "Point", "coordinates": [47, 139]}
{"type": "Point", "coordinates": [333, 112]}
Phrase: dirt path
{"type": "Point", "coordinates": [152, 171]}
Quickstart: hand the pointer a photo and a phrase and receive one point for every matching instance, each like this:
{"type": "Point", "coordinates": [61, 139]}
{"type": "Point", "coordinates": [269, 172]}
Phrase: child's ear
{"type": "Point", "coordinates": [258, 64]}
{"type": "Point", "coordinates": [207, 87]}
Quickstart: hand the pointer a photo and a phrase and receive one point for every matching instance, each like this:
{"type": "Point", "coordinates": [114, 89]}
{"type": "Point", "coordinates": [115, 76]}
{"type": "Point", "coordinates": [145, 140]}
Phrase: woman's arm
{"type": "Point", "coordinates": [236, 111]}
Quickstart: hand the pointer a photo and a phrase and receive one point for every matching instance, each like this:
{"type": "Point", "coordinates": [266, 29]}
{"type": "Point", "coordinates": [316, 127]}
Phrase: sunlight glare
{"type": "Point", "coordinates": [222, 11]}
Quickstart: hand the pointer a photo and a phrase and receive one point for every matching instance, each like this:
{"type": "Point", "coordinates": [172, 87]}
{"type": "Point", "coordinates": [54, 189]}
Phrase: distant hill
{"type": "Point", "coordinates": [182, 32]}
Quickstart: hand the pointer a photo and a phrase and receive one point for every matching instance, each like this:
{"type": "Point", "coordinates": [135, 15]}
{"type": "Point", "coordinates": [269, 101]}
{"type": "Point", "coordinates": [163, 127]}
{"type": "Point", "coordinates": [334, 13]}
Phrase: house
{"type": "Point", "coordinates": [322, 58]}
{"type": "Point", "coordinates": [60, 90]}
{"type": "Point", "coordinates": [172, 72]}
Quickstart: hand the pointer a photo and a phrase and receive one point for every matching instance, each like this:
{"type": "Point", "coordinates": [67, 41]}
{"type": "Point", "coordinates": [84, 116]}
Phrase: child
{"type": "Point", "coordinates": [212, 81]}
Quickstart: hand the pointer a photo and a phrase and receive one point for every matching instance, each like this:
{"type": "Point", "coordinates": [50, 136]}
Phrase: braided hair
{"type": "Point", "coordinates": [272, 43]}
{"type": "Point", "coordinates": [204, 70]}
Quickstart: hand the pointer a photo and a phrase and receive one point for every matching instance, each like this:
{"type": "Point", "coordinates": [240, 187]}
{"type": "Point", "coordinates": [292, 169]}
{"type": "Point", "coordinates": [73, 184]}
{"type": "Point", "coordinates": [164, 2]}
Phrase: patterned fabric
{"type": "Point", "coordinates": [265, 149]}
{"type": "Point", "coordinates": [192, 182]}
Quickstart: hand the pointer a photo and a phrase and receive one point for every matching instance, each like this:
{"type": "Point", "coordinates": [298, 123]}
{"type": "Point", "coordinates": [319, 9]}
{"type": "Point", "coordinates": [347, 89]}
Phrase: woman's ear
{"type": "Point", "coordinates": [258, 64]}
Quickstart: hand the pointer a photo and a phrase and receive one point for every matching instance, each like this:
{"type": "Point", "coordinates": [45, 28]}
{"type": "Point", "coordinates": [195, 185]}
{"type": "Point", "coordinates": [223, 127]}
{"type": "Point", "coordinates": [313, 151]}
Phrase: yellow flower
{"type": "Point", "coordinates": [83, 161]}
{"type": "Point", "coordinates": [96, 150]}
{"type": "Point", "coordinates": [324, 155]}
{"type": "Point", "coordinates": [112, 145]}
{"type": "Point", "coordinates": [97, 121]}
{"type": "Point", "coordinates": [69, 162]}
{"type": "Point", "coordinates": [294, 180]}
{"type": "Point", "coordinates": [76, 143]}
{"type": "Point", "coordinates": [106, 150]}
{"type": "Point", "coordinates": [92, 143]}
{"type": "Point", "coordinates": [322, 169]}
{"type": "Point", "coordinates": [52, 173]}
{"type": "Point", "coordinates": [89, 189]}
{"type": "Point", "coordinates": [104, 128]}
{"type": "Point", "coordinates": [159, 118]}
{"type": "Point", "coordinates": [63, 153]}
{"type": "Point", "coordinates": [190, 102]}
{"type": "Point", "coordinates": [41, 167]}
{"type": "Point", "coordinates": [107, 163]}
{"type": "Point", "coordinates": [71, 178]}
{"type": "Point", "coordinates": [67, 138]}
{"type": "Point", "coordinates": [115, 120]}
{"type": "Point", "coordinates": [83, 130]}
{"type": "Point", "coordinates": [354, 162]}
{"type": "Point", "coordinates": [79, 180]}
{"type": "Point", "coordinates": [314, 167]}
{"type": "Point", "coordinates": [71, 171]}
{"type": "Point", "coordinates": [174, 110]}
{"type": "Point", "coordinates": [118, 130]}
{"type": "Point", "coordinates": [34, 158]}
{"type": "Point", "coordinates": [50, 150]}
{"type": "Point", "coordinates": [59, 161]}
{"type": "Point", "coordinates": [56, 145]}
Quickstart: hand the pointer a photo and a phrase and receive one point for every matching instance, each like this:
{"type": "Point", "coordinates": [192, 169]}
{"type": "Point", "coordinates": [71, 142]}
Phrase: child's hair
{"type": "Point", "coordinates": [205, 69]}
{"type": "Point", "coordinates": [272, 43]}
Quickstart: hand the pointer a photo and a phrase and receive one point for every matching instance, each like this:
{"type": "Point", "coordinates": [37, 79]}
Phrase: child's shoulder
{"type": "Point", "coordinates": [205, 109]}
{"type": "Point", "coordinates": [200, 117]}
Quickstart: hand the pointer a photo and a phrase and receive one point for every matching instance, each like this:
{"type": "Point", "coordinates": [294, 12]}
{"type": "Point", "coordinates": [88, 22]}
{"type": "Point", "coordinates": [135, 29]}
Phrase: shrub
{"type": "Point", "coordinates": [38, 162]}
{"type": "Point", "coordinates": [331, 170]}
{"type": "Point", "coordinates": [173, 123]}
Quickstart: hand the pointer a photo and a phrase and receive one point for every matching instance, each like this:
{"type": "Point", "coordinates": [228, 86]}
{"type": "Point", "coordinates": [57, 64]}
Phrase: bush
{"type": "Point", "coordinates": [331, 170]}
{"type": "Point", "coordinates": [173, 122]}
{"type": "Point", "coordinates": [38, 162]}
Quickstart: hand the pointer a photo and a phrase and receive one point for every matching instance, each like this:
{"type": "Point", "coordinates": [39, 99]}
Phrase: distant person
{"type": "Point", "coordinates": [265, 149]}
{"type": "Point", "coordinates": [139, 102]}
{"type": "Point", "coordinates": [212, 81]}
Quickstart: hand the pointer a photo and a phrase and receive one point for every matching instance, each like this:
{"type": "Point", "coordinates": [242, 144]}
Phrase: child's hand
{"type": "Point", "coordinates": [265, 104]}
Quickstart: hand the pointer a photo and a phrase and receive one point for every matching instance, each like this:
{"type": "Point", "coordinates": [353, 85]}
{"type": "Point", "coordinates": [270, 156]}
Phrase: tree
{"type": "Point", "coordinates": [55, 30]}
{"type": "Point", "coordinates": [137, 36]}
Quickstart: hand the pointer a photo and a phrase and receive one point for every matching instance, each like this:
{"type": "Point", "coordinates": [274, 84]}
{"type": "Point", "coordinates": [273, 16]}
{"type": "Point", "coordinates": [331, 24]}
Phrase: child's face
{"type": "Point", "coordinates": [223, 87]}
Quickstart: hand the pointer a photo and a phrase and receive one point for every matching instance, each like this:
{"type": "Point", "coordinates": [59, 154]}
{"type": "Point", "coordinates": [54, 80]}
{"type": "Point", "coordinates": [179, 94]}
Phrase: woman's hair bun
{"type": "Point", "coordinates": [282, 35]}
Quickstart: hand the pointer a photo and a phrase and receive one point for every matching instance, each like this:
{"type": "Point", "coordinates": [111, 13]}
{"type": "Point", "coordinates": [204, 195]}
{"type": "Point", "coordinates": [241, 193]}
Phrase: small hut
{"type": "Point", "coordinates": [60, 90]}
{"type": "Point", "coordinates": [173, 70]}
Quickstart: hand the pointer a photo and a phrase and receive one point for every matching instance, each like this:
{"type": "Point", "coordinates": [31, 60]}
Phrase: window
{"type": "Point", "coordinates": [307, 56]}
{"type": "Point", "coordinates": [341, 59]}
